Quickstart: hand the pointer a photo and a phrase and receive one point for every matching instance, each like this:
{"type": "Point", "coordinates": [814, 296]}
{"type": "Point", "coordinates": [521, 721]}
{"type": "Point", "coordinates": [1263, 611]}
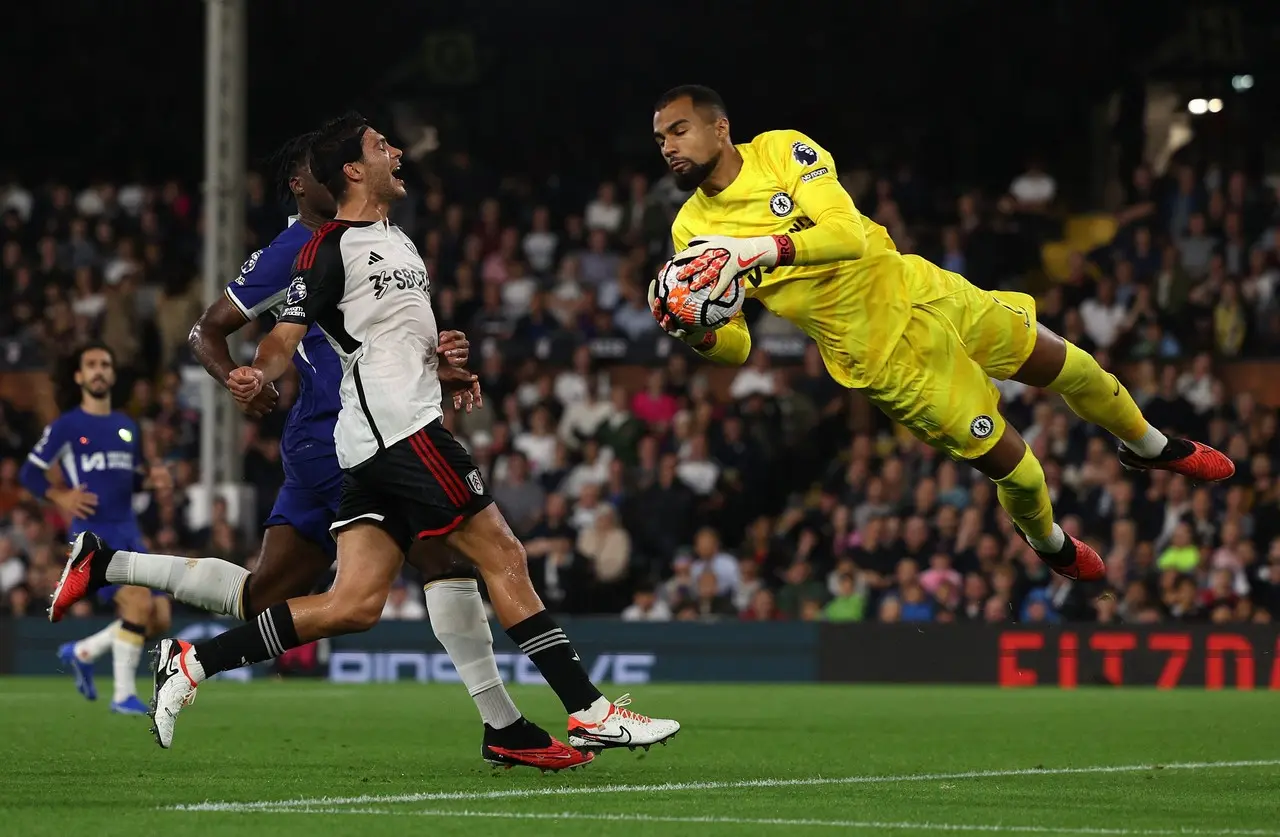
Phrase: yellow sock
{"type": "Point", "coordinates": [1025, 496]}
{"type": "Point", "coordinates": [1097, 397]}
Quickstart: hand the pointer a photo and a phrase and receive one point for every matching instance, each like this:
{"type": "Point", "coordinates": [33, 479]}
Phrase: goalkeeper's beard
{"type": "Point", "coordinates": [692, 177]}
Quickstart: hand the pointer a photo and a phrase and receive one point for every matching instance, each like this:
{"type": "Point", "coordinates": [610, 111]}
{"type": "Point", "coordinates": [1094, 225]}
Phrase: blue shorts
{"type": "Point", "coordinates": [120, 537]}
{"type": "Point", "coordinates": [308, 500]}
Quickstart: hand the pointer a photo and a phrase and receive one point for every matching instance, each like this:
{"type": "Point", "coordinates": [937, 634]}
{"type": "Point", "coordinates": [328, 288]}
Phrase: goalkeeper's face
{"type": "Point", "coordinates": [691, 139]}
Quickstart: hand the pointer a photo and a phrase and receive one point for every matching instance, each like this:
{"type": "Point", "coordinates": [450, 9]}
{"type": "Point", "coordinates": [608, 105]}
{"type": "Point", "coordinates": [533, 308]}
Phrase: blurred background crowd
{"type": "Point", "coordinates": [643, 481]}
{"type": "Point", "coordinates": [767, 492]}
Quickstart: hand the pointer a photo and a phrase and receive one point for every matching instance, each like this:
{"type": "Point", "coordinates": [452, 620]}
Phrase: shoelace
{"type": "Point", "coordinates": [621, 705]}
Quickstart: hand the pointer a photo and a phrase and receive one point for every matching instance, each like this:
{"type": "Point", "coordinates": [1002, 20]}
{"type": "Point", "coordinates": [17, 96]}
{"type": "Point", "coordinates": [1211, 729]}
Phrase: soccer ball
{"type": "Point", "coordinates": [689, 301]}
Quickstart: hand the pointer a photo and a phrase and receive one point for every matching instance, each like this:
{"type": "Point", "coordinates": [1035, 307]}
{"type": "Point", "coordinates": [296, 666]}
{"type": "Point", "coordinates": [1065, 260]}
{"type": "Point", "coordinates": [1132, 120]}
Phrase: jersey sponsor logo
{"type": "Point", "coordinates": [114, 460]}
{"type": "Point", "coordinates": [804, 154]}
{"type": "Point", "coordinates": [297, 291]}
{"type": "Point", "coordinates": [981, 427]}
{"type": "Point", "coordinates": [293, 311]}
{"type": "Point", "coordinates": [374, 258]}
{"type": "Point", "coordinates": [476, 482]}
{"type": "Point", "coordinates": [810, 175]}
{"type": "Point", "coordinates": [401, 278]}
{"type": "Point", "coordinates": [781, 205]}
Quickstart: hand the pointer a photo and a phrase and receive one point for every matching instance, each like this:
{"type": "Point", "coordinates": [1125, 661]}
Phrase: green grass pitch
{"type": "Point", "coordinates": [392, 759]}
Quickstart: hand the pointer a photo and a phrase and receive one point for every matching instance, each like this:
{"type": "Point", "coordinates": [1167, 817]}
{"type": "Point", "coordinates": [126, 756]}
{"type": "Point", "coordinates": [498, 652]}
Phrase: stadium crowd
{"type": "Point", "coordinates": [664, 497]}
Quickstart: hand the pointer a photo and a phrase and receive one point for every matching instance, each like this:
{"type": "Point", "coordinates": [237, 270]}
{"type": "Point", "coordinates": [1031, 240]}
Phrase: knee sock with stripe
{"type": "Point", "coordinates": [543, 642]}
{"type": "Point", "coordinates": [266, 637]}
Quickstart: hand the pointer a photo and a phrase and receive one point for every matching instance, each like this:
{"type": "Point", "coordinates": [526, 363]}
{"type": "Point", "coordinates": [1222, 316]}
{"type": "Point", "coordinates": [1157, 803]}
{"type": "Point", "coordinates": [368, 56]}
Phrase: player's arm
{"type": "Point", "coordinates": [316, 287]}
{"type": "Point", "coordinates": [809, 175]}
{"type": "Point", "coordinates": [209, 345]}
{"type": "Point", "coordinates": [74, 500]}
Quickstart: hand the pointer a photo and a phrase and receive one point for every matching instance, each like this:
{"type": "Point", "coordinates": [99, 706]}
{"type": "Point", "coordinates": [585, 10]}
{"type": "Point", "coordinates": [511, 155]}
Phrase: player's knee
{"type": "Point", "coordinates": [509, 554]}
{"type": "Point", "coordinates": [355, 614]}
{"type": "Point", "coordinates": [133, 604]}
{"type": "Point", "coordinates": [1027, 477]}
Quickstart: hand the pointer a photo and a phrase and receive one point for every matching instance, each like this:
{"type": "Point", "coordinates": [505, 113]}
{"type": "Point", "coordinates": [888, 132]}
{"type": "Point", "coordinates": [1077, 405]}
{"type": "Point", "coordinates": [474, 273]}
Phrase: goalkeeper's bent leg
{"type": "Point", "coordinates": [1097, 396]}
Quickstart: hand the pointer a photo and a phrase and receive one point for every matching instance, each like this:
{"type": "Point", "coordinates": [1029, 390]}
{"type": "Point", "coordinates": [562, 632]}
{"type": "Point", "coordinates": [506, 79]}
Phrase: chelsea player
{"type": "Point", "coordinates": [921, 342]}
{"type": "Point", "coordinates": [297, 549]}
{"type": "Point", "coordinates": [97, 452]}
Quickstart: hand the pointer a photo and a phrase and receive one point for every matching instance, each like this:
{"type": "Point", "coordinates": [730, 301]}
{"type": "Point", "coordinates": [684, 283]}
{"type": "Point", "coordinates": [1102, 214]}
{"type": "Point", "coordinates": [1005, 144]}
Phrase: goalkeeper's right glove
{"type": "Point", "coordinates": [696, 337]}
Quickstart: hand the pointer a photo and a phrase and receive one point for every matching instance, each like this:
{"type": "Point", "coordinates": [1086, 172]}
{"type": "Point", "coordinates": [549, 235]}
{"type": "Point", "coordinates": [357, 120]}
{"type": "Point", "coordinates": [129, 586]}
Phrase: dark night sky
{"type": "Point", "coordinates": [967, 85]}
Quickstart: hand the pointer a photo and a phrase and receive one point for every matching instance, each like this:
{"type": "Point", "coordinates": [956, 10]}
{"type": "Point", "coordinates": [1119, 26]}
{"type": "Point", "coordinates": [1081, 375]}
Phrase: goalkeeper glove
{"type": "Point", "coordinates": [696, 337]}
{"type": "Point", "coordinates": [717, 260]}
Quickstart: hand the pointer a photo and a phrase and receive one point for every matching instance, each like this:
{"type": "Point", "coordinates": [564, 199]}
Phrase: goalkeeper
{"type": "Point", "coordinates": [922, 342]}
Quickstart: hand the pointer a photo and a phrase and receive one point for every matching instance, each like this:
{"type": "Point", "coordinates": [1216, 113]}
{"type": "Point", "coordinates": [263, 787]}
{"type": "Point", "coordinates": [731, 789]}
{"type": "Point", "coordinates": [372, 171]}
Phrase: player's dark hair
{"type": "Point", "coordinates": [335, 144]}
{"type": "Point", "coordinates": [68, 391]}
{"type": "Point", "coordinates": [289, 159]}
{"type": "Point", "coordinates": [700, 95]}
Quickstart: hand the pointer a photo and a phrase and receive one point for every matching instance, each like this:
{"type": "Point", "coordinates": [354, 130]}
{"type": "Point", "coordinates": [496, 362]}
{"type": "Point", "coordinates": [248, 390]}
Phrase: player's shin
{"type": "Point", "coordinates": [268, 636]}
{"type": "Point", "coordinates": [95, 645]}
{"type": "Point", "coordinates": [211, 584]}
{"type": "Point", "coordinates": [458, 619]}
{"type": "Point", "coordinates": [1024, 494]}
{"type": "Point", "coordinates": [126, 653]}
{"type": "Point", "coordinates": [1096, 396]}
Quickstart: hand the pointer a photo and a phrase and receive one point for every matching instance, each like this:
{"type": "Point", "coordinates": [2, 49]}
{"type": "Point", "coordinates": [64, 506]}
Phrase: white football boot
{"type": "Point", "coordinates": [174, 687]}
{"type": "Point", "coordinates": [620, 728]}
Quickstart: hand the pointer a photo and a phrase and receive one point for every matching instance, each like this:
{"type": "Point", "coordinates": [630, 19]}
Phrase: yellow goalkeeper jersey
{"type": "Point", "coordinates": [856, 309]}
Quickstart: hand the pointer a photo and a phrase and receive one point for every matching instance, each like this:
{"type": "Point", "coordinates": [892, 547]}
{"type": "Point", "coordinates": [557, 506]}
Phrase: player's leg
{"type": "Point", "coordinates": [134, 607]}
{"type": "Point", "coordinates": [594, 722]}
{"type": "Point", "coordinates": [933, 387]}
{"type": "Point", "coordinates": [78, 657]}
{"type": "Point", "coordinates": [369, 560]}
{"type": "Point", "coordinates": [451, 502]}
{"type": "Point", "coordinates": [93, 566]}
{"type": "Point", "coordinates": [1098, 397]}
{"type": "Point", "coordinates": [460, 623]}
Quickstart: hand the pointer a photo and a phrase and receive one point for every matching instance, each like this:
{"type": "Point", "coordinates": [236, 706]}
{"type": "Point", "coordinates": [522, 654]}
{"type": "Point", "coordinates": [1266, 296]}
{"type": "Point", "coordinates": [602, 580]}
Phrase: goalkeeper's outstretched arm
{"type": "Point", "coordinates": [728, 345]}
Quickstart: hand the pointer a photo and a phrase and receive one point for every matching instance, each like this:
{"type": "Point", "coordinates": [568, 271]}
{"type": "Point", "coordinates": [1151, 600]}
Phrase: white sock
{"type": "Point", "coordinates": [1056, 540]}
{"type": "Point", "coordinates": [126, 653]}
{"type": "Point", "coordinates": [458, 619]}
{"type": "Point", "coordinates": [1149, 445]}
{"type": "Point", "coordinates": [596, 712]}
{"type": "Point", "coordinates": [210, 584]}
{"type": "Point", "coordinates": [195, 668]}
{"type": "Point", "coordinates": [92, 647]}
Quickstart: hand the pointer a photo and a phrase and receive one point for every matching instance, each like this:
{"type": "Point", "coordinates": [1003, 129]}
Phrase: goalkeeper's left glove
{"type": "Point", "coordinates": [717, 260]}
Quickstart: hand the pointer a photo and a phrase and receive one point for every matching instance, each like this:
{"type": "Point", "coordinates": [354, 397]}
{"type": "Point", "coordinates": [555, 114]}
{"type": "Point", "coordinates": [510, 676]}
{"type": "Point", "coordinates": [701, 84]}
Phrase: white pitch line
{"type": "Point", "coordinates": [676, 787]}
{"type": "Point", "coordinates": [857, 824]}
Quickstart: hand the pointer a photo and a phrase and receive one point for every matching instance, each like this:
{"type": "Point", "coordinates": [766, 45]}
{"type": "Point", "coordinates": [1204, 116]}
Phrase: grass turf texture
{"type": "Point", "coordinates": [69, 767]}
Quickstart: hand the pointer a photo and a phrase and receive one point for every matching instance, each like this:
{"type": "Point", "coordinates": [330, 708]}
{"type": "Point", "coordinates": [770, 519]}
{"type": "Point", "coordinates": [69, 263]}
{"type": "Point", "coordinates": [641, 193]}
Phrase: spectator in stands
{"type": "Point", "coordinates": [646, 606]}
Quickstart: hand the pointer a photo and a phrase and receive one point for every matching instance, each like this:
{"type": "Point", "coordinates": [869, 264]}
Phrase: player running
{"type": "Point", "coordinates": [920, 341]}
{"type": "Point", "coordinates": [297, 549]}
{"type": "Point", "coordinates": [99, 456]}
{"type": "Point", "coordinates": [405, 477]}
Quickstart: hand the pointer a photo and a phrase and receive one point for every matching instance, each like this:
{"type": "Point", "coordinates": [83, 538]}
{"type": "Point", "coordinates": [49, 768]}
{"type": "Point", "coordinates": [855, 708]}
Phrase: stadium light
{"type": "Point", "coordinates": [1241, 83]}
{"type": "Point", "coordinates": [1215, 105]}
{"type": "Point", "coordinates": [1198, 106]}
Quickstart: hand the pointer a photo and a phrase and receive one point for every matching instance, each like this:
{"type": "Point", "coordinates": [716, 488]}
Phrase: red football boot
{"type": "Point", "coordinates": [76, 582]}
{"type": "Point", "coordinates": [1193, 460]}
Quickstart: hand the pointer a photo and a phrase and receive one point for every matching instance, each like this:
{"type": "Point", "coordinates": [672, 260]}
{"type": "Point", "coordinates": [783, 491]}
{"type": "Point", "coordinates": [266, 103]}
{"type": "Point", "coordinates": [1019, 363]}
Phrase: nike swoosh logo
{"type": "Point", "coordinates": [619, 737]}
{"type": "Point", "coordinates": [747, 263]}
